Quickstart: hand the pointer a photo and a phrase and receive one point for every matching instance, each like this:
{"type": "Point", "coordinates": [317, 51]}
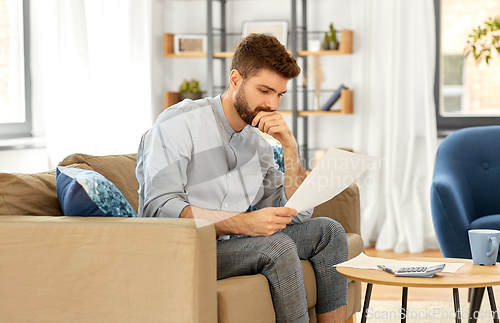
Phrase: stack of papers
{"type": "Point", "coordinates": [365, 262]}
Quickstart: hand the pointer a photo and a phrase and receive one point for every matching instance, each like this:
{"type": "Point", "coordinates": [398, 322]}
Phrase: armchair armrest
{"type": "Point", "coordinates": [343, 208]}
{"type": "Point", "coordinates": [452, 212]}
{"type": "Point", "coordinates": [75, 269]}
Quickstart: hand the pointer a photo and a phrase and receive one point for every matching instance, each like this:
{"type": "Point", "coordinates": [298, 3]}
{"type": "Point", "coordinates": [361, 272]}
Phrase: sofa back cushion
{"type": "Point", "coordinates": [29, 194]}
{"type": "Point", "coordinates": [118, 169]}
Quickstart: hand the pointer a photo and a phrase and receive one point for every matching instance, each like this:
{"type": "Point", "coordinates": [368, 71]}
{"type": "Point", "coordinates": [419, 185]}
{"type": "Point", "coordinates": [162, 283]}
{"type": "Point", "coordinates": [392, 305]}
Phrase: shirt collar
{"type": "Point", "coordinates": [222, 115]}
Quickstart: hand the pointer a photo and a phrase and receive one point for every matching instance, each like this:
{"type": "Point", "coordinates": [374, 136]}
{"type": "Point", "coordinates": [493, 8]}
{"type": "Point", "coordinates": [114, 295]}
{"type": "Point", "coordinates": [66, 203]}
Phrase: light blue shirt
{"type": "Point", "coordinates": [192, 156]}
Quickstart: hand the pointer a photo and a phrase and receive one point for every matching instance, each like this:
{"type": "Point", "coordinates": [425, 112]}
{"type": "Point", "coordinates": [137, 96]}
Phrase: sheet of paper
{"type": "Point", "coordinates": [363, 261]}
{"type": "Point", "coordinates": [333, 174]}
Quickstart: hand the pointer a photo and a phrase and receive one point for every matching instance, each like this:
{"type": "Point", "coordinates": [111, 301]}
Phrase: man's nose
{"type": "Point", "coordinates": [273, 103]}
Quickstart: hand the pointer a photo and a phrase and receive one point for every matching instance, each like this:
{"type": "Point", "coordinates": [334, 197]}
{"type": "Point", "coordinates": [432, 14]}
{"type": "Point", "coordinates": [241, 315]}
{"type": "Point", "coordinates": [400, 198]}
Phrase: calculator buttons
{"type": "Point", "coordinates": [425, 272]}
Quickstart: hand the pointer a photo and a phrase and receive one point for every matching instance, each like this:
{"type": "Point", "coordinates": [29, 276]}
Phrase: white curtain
{"type": "Point", "coordinates": [91, 67]}
{"type": "Point", "coordinates": [393, 76]}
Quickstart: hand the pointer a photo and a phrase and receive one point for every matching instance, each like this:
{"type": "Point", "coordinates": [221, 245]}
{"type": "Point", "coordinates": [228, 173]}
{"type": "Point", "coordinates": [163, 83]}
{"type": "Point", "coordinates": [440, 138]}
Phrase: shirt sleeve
{"type": "Point", "coordinates": [162, 160]}
{"type": "Point", "coordinates": [274, 190]}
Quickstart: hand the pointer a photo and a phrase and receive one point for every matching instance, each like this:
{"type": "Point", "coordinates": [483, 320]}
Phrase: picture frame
{"type": "Point", "coordinates": [276, 28]}
{"type": "Point", "coordinates": [186, 43]}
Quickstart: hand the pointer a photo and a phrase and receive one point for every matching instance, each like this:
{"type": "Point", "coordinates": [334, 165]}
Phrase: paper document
{"type": "Point", "coordinates": [365, 262]}
{"type": "Point", "coordinates": [333, 174]}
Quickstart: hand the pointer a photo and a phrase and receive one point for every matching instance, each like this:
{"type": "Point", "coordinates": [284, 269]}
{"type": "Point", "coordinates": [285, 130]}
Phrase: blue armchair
{"type": "Point", "coordinates": [465, 192]}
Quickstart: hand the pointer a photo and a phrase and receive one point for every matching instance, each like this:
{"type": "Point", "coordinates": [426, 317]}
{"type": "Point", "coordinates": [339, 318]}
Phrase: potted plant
{"type": "Point", "coordinates": [483, 40]}
{"type": "Point", "coordinates": [190, 90]}
{"type": "Point", "coordinates": [330, 40]}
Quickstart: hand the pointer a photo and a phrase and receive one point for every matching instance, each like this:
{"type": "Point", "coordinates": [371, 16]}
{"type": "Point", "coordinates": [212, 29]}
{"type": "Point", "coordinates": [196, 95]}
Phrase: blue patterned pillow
{"type": "Point", "coordinates": [278, 157]}
{"type": "Point", "coordinates": [87, 193]}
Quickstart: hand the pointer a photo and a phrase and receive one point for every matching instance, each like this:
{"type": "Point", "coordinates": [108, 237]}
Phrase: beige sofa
{"type": "Point", "coordinates": [90, 269]}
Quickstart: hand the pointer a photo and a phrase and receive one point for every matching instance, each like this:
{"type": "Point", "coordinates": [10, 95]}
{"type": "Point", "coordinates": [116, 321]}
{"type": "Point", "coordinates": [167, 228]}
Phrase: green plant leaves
{"type": "Point", "coordinates": [482, 39]}
{"type": "Point", "coordinates": [333, 33]}
{"type": "Point", "coordinates": [192, 86]}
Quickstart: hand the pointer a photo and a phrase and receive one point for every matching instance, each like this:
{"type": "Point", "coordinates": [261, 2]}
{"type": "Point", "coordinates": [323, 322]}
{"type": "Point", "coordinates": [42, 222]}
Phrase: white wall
{"type": "Point", "coordinates": [157, 91]}
{"type": "Point", "coordinates": [24, 160]}
{"type": "Point", "coordinates": [23, 155]}
{"type": "Point", "coordinates": [189, 16]}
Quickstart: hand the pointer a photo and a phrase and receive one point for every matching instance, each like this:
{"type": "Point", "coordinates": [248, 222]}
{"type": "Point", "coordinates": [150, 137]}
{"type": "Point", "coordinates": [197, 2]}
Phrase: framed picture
{"type": "Point", "coordinates": [190, 44]}
{"type": "Point", "coordinates": [276, 28]}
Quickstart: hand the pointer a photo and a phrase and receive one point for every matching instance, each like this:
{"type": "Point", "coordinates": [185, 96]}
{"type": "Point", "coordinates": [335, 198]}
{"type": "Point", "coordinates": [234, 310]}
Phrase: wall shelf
{"type": "Point", "coordinates": [168, 50]}
{"type": "Point", "coordinates": [346, 106]}
{"type": "Point", "coordinates": [313, 113]}
{"type": "Point", "coordinates": [345, 47]}
{"type": "Point", "coordinates": [199, 55]}
{"type": "Point", "coordinates": [171, 98]}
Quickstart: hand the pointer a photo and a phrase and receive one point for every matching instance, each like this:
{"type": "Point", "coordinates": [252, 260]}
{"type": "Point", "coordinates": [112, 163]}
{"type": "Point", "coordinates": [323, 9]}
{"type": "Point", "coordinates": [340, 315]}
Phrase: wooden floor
{"type": "Point", "coordinates": [382, 292]}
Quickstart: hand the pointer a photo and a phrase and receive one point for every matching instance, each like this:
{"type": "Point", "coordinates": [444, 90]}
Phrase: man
{"type": "Point", "coordinates": [205, 159]}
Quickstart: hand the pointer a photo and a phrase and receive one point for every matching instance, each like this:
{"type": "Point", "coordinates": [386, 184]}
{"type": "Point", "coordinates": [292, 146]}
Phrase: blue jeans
{"type": "Point", "coordinates": [322, 241]}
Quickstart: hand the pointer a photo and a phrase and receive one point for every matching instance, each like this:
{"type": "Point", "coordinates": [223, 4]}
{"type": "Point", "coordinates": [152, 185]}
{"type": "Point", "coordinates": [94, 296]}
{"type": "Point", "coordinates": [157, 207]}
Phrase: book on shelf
{"type": "Point", "coordinates": [334, 98]}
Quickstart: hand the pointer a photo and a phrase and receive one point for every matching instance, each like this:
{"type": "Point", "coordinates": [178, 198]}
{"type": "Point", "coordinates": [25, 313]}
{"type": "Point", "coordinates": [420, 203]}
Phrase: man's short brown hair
{"type": "Point", "coordinates": [259, 51]}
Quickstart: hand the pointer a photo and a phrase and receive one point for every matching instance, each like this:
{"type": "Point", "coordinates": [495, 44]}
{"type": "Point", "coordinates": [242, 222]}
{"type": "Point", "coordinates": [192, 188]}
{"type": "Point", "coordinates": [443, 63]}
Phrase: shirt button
{"type": "Point", "coordinates": [229, 175]}
{"type": "Point", "coordinates": [225, 205]}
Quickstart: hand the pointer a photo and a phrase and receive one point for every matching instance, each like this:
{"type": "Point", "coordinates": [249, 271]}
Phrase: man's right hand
{"type": "Point", "coordinates": [265, 222]}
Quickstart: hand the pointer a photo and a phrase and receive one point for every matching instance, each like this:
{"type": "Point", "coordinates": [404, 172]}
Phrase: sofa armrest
{"type": "Point", "coordinates": [75, 269]}
{"type": "Point", "coordinates": [344, 208]}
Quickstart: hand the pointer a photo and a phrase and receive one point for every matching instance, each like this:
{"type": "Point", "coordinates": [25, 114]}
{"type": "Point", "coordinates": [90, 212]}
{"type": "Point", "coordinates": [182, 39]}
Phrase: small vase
{"type": "Point", "coordinates": [190, 95]}
{"type": "Point", "coordinates": [333, 45]}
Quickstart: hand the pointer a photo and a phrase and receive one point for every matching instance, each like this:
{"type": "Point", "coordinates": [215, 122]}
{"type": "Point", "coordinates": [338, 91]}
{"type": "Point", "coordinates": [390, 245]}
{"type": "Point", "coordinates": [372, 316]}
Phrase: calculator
{"type": "Point", "coordinates": [423, 272]}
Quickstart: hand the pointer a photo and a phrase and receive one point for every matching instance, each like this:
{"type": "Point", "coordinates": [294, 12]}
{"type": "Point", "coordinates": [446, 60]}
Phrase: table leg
{"type": "Point", "coordinates": [366, 305]}
{"type": "Point", "coordinates": [404, 304]}
{"type": "Point", "coordinates": [456, 301]}
{"type": "Point", "coordinates": [493, 305]}
{"type": "Point", "coordinates": [475, 304]}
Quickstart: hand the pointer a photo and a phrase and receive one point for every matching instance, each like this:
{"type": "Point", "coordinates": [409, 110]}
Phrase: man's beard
{"type": "Point", "coordinates": [243, 108]}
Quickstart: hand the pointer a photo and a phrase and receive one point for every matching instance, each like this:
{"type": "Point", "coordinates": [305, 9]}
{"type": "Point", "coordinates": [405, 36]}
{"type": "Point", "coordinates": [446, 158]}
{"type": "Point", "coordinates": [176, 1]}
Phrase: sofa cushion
{"type": "Point", "coordinates": [40, 188]}
{"type": "Point", "coordinates": [239, 297]}
{"type": "Point", "coordinates": [88, 193]}
{"type": "Point", "coordinates": [118, 169]}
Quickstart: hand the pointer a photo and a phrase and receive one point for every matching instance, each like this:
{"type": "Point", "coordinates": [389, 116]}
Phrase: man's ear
{"type": "Point", "coordinates": [235, 79]}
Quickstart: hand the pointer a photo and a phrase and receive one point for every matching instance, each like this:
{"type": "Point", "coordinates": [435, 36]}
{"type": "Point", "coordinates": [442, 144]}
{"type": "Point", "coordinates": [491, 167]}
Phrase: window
{"type": "Point", "coordinates": [453, 85]}
{"type": "Point", "coordinates": [15, 100]}
{"type": "Point", "coordinates": [466, 93]}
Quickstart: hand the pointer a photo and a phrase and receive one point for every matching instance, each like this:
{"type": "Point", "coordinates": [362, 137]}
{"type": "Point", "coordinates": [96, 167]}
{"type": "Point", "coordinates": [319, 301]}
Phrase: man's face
{"type": "Point", "coordinates": [261, 92]}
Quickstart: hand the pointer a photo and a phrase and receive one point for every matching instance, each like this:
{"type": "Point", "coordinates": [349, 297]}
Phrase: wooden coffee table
{"type": "Point", "coordinates": [468, 276]}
